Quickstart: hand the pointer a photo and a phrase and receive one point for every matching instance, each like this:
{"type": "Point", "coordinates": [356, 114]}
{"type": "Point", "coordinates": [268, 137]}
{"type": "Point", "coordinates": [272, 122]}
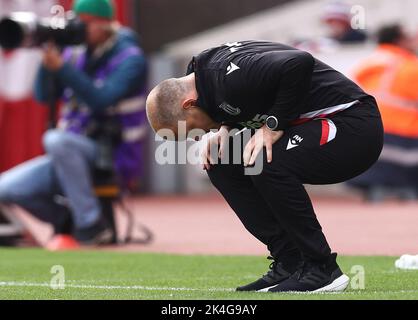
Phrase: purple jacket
{"type": "Point", "coordinates": [110, 86]}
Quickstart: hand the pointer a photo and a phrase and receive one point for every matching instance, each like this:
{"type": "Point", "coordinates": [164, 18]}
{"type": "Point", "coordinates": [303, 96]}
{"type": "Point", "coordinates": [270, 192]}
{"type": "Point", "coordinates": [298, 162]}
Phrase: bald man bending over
{"type": "Point", "coordinates": [310, 124]}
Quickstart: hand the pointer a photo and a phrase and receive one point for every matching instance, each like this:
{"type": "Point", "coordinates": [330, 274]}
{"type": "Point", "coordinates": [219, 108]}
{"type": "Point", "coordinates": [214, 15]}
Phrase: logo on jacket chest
{"type": "Point", "coordinates": [257, 122]}
{"type": "Point", "coordinates": [233, 111]}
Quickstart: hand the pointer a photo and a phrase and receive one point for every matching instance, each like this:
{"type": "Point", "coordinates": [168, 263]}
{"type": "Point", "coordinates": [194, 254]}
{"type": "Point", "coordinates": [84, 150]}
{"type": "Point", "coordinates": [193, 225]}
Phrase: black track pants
{"type": "Point", "coordinates": [274, 206]}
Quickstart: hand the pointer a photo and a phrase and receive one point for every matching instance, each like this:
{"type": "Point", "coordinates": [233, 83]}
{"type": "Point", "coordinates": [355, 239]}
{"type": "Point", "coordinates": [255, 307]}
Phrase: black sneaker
{"type": "Point", "coordinates": [272, 278]}
{"type": "Point", "coordinates": [312, 277]}
{"type": "Point", "coordinates": [98, 234]}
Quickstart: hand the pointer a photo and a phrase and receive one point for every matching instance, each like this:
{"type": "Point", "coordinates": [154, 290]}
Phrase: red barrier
{"type": "Point", "coordinates": [21, 127]}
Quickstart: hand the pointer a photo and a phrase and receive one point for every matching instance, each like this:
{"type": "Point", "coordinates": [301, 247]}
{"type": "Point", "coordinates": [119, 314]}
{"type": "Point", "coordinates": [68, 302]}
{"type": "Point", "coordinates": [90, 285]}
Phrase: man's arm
{"type": "Point", "coordinates": [294, 87]}
{"type": "Point", "coordinates": [287, 74]}
{"type": "Point", "coordinates": [127, 76]}
{"type": "Point", "coordinates": [41, 87]}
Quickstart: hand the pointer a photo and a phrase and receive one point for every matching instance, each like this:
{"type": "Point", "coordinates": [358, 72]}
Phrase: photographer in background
{"type": "Point", "coordinates": [101, 127]}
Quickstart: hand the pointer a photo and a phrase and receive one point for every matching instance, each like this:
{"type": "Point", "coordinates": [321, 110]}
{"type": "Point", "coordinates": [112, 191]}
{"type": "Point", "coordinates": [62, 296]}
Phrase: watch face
{"type": "Point", "coordinates": [272, 123]}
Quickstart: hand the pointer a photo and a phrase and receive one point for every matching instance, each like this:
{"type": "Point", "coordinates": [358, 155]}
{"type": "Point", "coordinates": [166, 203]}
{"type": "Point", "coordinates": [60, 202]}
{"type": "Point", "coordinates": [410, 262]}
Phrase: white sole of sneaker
{"type": "Point", "coordinates": [338, 285]}
{"type": "Point", "coordinates": [266, 289]}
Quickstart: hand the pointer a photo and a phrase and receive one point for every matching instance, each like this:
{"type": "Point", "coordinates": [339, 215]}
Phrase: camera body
{"type": "Point", "coordinates": [25, 29]}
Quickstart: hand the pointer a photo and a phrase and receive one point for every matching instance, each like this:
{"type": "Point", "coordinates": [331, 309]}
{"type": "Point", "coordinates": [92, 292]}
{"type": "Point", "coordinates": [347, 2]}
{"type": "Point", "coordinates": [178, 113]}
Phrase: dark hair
{"type": "Point", "coordinates": [390, 34]}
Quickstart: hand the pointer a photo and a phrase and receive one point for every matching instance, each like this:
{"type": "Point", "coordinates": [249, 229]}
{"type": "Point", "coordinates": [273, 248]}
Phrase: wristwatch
{"type": "Point", "coordinates": [272, 123]}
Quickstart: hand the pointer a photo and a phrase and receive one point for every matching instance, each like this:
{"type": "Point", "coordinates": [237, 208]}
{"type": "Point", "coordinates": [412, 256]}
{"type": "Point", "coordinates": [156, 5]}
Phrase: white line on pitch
{"type": "Point", "coordinates": [111, 287]}
{"type": "Point", "coordinates": [145, 288]}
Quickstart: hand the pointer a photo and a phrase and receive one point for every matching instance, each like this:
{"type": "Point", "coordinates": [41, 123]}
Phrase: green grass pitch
{"type": "Point", "coordinates": [26, 274]}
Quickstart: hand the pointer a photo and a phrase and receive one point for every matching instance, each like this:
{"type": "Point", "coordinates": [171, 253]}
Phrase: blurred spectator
{"type": "Point", "coordinates": [391, 75]}
{"type": "Point", "coordinates": [101, 128]}
{"type": "Point", "coordinates": [337, 17]}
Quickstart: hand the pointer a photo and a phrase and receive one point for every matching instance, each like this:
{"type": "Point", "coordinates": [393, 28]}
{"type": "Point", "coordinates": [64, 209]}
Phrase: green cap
{"type": "Point", "coordinates": [96, 8]}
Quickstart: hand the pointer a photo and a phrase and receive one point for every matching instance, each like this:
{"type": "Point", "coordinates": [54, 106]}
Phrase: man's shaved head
{"type": "Point", "coordinates": [164, 104]}
{"type": "Point", "coordinates": [173, 101]}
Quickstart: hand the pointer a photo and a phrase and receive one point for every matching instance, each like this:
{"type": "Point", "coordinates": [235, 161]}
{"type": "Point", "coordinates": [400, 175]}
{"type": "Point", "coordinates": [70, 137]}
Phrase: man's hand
{"type": "Point", "coordinates": [264, 137]}
{"type": "Point", "coordinates": [52, 59]}
{"type": "Point", "coordinates": [218, 139]}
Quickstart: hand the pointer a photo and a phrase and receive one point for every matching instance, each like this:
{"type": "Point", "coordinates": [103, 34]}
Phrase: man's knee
{"type": "Point", "coordinates": [216, 174]}
{"type": "Point", "coordinates": [61, 144]}
{"type": "Point", "coordinates": [219, 173]}
{"type": "Point", "coordinates": [270, 171]}
{"type": "Point", "coordinates": [57, 143]}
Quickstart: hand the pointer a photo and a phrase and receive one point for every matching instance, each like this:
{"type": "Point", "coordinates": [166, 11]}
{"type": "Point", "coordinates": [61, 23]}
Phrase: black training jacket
{"type": "Point", "coordinates": [242, 83]}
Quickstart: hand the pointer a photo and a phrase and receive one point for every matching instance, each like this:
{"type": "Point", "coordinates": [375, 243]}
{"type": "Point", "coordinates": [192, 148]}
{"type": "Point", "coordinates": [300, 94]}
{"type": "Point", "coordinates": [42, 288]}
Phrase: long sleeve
{"type": "Point", "coordinates": [41, 90]}
{"type": "Point", "coordinates": [284, 75]}
{"type": "Point", "coordinates": [99, 96]}
{"type": "Point", "coordinates": [293, 88]}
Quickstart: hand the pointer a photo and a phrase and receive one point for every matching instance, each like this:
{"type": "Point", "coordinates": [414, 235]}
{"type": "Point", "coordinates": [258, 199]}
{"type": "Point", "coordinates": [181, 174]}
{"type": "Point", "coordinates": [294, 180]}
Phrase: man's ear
{"type": "Point", "coordinates": [189, 103]}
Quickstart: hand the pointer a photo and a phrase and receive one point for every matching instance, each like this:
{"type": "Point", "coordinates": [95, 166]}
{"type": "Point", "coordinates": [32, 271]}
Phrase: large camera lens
{"type": "Point", "coordinates": [11, 34]}
{"type": "Point", "coordinates": [28, 30]}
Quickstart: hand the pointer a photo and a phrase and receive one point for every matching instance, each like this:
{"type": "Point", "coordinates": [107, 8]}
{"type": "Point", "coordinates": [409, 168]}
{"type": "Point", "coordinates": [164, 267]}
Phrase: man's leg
{"type": "Point", "coordinates": [318, 152]}
{"type": "Point", "coordinates": [288, 199]}
{"type": "Point", "coordinates": [241, 195]}
{"type": "Point", "coordinates": [355, 147]}
{"type": "Point", "coordinates": [72, 157]}
{"type": "Point", "coordinates": [33, 186]}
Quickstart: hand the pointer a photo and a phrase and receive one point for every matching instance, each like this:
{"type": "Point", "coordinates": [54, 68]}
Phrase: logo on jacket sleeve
{"type": "Point", "coordinates": [231, 68]}
{"type": "Point", "coordinates": [230, 109]}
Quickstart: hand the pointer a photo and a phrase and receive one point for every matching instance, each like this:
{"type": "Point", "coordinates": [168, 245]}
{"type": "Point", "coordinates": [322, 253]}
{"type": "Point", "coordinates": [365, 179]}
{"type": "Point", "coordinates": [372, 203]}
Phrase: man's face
{"type": "Point", "coordinates": [194, 126]}
{"type": "Point", "coordinates": [98, 29]}
{"type": "Point", "coordinates": [196, 118]}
